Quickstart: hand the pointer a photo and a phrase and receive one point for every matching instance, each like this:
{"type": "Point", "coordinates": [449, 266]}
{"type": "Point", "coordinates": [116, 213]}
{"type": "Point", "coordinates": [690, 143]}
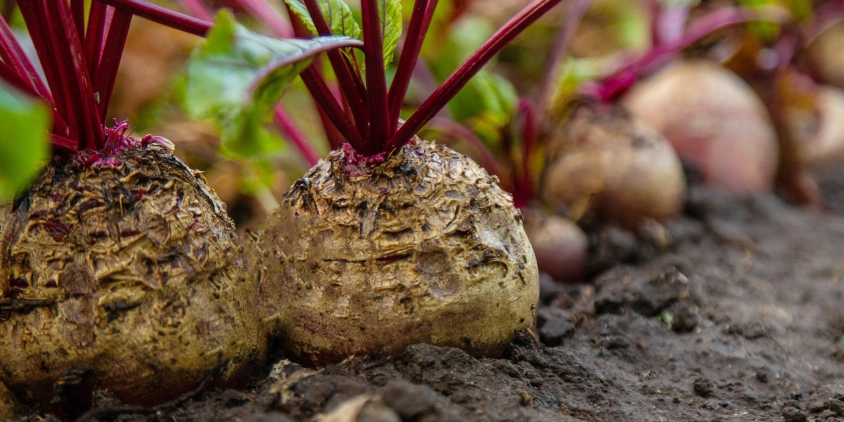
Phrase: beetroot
{"type": "Point", "coordinates": [391, 240]}
{"type": "Point", "coordinates": [714, 121]}
{"type": "Point", "coordinates": [606, 162]}
{"type": "Point", "coordinates": [119, 268]}
{"type": "Point", "coordinates": [561, 248]}
{"type": "Point", "coordinates": [423, 247]}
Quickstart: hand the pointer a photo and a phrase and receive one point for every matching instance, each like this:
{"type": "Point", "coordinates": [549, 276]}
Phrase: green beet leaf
{"type": "Point", "coordinates": [24, 144]}
{"type": "Point", "coordinates": [342, 22]}
{"type": "Point", "coordinates": [391, 27]}
{"type": "Point", "coordinates": [237, 76]}
{"type": "Point", "coordinates": [337, 14]}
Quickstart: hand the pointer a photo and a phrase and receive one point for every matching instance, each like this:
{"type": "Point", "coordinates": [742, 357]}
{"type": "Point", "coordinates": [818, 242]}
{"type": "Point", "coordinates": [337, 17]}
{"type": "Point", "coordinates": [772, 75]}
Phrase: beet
{"type": "Point", "coordinates": [560, 246]}
{"type": "Point", "coordinates": [605, 162]}
{"type": "Point", "coordinates": [122, 272]}
{"type": "Point", "coordinates": [714, 121]}
{"type": "Point", "coordinates": [369, 258]}
{"type": "Point", "coordinates": [820, 131]}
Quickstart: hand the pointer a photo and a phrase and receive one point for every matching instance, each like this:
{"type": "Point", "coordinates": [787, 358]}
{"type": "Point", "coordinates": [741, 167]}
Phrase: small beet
{"type": "Point", "coordinates": [820, 132]}
{"type": "Point", "coordinates": [424, 247]}
{"type": "Point", "coordinates": [714, 121]}
{"type": "Point", "coordinates": [615, 166]}
{"type": "Point", "coordinates": [560, 246]}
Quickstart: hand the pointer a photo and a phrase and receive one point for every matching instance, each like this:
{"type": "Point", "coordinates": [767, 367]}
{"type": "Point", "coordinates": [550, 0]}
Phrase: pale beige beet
{"type": "Point", "coordinates": [422, 248]}
{"type": "Point", "coordinates": [820, 134]}
{"type": "Point", "coordinates": [560, 246]}
{"type": "Point", "coordinates": [605, 162]}
{"type": "Point", "coordinates": [714, 121]}
{"type": "Point", "coordinates": [125, 276]}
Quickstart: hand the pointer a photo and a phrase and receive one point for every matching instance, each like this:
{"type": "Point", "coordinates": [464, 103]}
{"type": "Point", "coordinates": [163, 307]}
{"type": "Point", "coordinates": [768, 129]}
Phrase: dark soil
{"type": "Point", "coordinates": [741, 318]}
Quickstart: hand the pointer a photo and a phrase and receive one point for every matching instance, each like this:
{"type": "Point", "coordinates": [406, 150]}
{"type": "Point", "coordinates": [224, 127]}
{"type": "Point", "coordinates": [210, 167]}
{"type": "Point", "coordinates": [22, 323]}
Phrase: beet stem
{"type": "Point", "coordinates": [376, 79]}
{"type": "Point", "coordinates": [197, 9]}
{"type": "Point", "coordinates": [530, 134]}
{"type": "Point", "coordinates": [110, 62]}
{"type": "Point", "coordinates": [332, 133]}
{"type": "Point", "coordinates": [63, 144]}
{"type": "Point", "coordinates": [162, 16]}
{"type": "Point", "coordinates": [78, 9]}
{"type": "Point", "coordinates": [274, 20]}
{"type": "Point", "coordinates": [468, 69]}
{"type": "Point", "coordinates": [465, 134]}
{"type": "Point", "coordinates": [289, 127]}
{"type": "Point", "coordinates": [14, 79]}
{"type": "Point", "coordinates": [326, 101]}
{"type": "Point", "coordinates": [12, 54]}
{"type": "Point", "coordinates": [350, 86]}
{"type": "Point", "coordinates": [60, 51]}
{"type": "Point", "coordinates": [99, 18]}
{"type": "Point", "coordinates": [420, 21]}
{"type": "Point", "coordinates": [613, 85]}
{"type": "Point", "coordinates": [558, 57]}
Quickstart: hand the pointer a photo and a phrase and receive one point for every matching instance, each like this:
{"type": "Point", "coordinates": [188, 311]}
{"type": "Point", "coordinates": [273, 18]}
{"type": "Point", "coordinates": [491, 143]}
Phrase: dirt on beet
{"type": "Point", "coordinates": [740, 318]}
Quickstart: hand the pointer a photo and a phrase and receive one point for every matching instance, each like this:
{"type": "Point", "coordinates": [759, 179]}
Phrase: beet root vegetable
{"type": "Point", "coordinates": [714, 121]}
{"type": "Point", "coordinates": [560, 246]}
{"type": "Point", "coordinates": [391, 240]}
{"type": "Point", "coordinates": [121, 270]}
{"type": "Point", "coordinates": [617, 167]}
{"type": "Point", "coordinates": [821, 134]}
{"type": "Point", "coordinates": [421, 248]}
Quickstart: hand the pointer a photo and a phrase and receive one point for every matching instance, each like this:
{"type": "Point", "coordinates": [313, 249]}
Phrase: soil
{"type": "Point", "coordinates": [739, 318]}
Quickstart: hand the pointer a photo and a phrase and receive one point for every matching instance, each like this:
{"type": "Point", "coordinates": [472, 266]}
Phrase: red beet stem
{"type": "Point", "coordinates": [558, 56]}
{"type": "Point", "coordinates": [106, 73]}
{"type": "Point", "coordinates": [12, 55]}
{"type": "Point", "coordinates": [420, 21]}
{"type": "Point", "coordinates": [197, 9]}
{"type": "Point", "coordinates": [162, 16]}
{"type": "Point", "coordinates": [463, 133]}
{"type": "Point", "coordinates": [61, 53]}
{"type": "Point", "coordinates": [350, 86]}
{"type": "Point", "coordinates": [275, 21]}
{"type": "Point", "coordinates": [376, 79]}
{"type": "Point", "coordinates": [468, 69]}
{"type": "Point", "coordinates": [328, 104]}
{"type": "Point", "coordinates": [63, 144]}
{"type": "Point", "coordinates": [619, 81]}
{"type": "Point", "coordinates": [530, 134]}
{"type": "Point", "coordinates": [99, 18]}
{"type": "Point", "coordinates": [288, 126]}
{"type": "Point", "coordinates": [335, 138]}
{"type": "Point", "coordinates": [77, 7]}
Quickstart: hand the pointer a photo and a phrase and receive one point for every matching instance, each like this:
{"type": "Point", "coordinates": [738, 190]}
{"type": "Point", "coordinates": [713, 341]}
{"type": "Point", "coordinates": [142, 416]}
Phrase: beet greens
{"type": "Point", "coordinates": [364, 110]}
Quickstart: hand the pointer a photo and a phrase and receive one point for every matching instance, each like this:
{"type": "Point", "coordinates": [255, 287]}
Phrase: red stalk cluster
{"type": "Point", "coordinates": [367, 114]}
{"type": "Point", "coordinates": [80, 63]}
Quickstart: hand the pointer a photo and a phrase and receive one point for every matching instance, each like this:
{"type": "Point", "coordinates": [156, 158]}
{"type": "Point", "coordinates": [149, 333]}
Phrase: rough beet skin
{"type": "Point", "coordinates": [423, 247]}
{"type": "Point", "coordinates": [120, 272]}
